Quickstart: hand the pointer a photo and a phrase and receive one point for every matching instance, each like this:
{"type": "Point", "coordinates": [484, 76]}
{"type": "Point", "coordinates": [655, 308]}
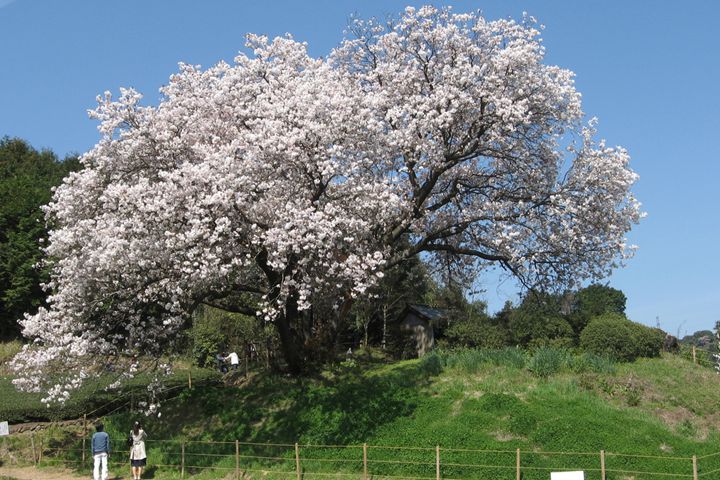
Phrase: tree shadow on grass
{"type": "Point", "coordinates": [342, 408]}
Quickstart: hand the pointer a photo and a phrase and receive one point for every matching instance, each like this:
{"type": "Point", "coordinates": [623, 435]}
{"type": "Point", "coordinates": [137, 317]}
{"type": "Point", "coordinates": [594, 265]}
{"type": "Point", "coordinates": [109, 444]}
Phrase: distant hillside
{"type": "Point", "coordinates": [704, 339]}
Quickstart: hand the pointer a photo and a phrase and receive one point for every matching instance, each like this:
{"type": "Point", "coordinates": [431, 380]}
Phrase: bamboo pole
{"type": "Point", "coordinates": [297, 461]}
{"type": "Point", "coordinates": [32, 443]}
{"type": "Point", "coordinates": [237, 460]}
{"type": "Point", "coordinates": [182, 460]}
{"type": "Point", "coordinates": [437, 462]}
{"type": "Point", "coordinates": [365, 469]}
{"type": "Point", "coordinates": [695, 472]}
{"type": "Point", "coordinates": [517, 464]}
{"type": "Point", "coordinates": [602, 464]}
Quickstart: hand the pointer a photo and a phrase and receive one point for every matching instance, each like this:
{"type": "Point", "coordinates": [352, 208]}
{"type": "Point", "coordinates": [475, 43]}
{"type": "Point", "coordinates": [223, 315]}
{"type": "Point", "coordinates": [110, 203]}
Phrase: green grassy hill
{"type": "Point", "coordinates": [560, 411]}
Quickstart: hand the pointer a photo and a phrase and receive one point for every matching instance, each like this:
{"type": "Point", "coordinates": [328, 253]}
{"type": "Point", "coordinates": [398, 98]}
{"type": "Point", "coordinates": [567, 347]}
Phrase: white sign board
{"type": "Point", "coordinates": [4, 429]}
{"type": "Point", "coordinates": [567, 476]}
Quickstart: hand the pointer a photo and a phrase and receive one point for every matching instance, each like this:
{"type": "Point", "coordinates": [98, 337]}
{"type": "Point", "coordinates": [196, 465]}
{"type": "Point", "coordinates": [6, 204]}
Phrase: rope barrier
{"type": "Point", "coordinates": [391, 447]}
{"type": "Point", "coordinates": [563, 469]}
{"type": "Point", "coordinates": [331, 460]}
{"type": "Point", "coordinates": [375, 477]}
{"type": "Point", "coordinates": [326, 474]}
{"type": "Point", "coordinates": [210, 454]}
{"type": "Point", "coordinates": [312, 445]}
{"type": "Point", "coordinates": [406, 462]}
{"type": "Point", "coordinates": [540, 452]}
{"type": "Point", "coordinates": [708, 455]}
{"type": "Point", "coordinates": [209, 467]}
{"type": "Point", "coordinates": [708, 473]}
{"type": "Point", "coordinates": [478, 465]}
{"type": "Point", "coordinates": [475, 450]}
{"type": "Point", "coordinates": [633, 472]}
{"type": "Point", "coordinates": [626, 455]}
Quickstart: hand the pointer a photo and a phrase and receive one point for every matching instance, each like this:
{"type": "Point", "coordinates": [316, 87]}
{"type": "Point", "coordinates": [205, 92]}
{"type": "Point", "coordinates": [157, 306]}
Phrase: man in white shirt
{"type": "Point", "coordinates": [234, 360]}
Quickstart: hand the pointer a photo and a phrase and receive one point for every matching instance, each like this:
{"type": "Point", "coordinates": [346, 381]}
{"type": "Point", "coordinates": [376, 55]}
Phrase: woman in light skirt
{"type": "Point", "coordinates": [138, 457]}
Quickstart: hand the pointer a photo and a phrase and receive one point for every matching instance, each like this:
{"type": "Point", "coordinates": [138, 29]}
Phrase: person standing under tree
{"type": "Point", "coordinates": [234, 360]}
{"type": "Point", "coordinates": [138, 457]}
{"type": "Point", "coordinates": [100, 448]}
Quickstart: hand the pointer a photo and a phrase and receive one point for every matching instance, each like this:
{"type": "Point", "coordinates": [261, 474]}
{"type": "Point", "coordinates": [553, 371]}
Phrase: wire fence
{"type": "Point", "coordinates": [236, 459]}
{"type": "Point", "coordinates": [700, 356]}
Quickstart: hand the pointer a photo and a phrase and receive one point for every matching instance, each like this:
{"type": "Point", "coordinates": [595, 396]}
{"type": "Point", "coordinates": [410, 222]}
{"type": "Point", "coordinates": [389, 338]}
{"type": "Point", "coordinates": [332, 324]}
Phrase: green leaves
{"type": "Point", "coordinates": [26, 180]}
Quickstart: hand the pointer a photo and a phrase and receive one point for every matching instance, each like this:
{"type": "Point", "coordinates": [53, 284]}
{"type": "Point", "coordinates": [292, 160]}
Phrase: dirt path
{"type": "Point", "coordinates": [30, 473]}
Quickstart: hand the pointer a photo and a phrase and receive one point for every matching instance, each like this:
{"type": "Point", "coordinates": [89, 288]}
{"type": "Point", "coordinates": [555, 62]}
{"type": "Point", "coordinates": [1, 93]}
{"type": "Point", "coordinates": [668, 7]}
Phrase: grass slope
{"type": "Point", "coordinates": [664, 409]}
{"type": "Point", "coordinates": [661, 408]}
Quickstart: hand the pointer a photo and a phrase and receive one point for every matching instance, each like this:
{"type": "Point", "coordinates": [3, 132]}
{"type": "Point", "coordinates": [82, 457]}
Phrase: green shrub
{"type": "Point", "coordinates": [207, 342]}
{"type": "Point", "coordinates": [614, 335]}
{"type": "Point", "coordinates": [431, 364]}
{"type": "Point", "coordinates": [476, 333]}
{"type": "Point", "coordinates": [649, 341]}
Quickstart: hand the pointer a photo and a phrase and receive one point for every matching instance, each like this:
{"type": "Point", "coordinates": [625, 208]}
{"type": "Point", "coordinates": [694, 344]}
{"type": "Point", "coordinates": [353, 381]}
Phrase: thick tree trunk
{"type": "Point", "coordinates": [286, 323]}
{"type": "Point", "coordinates": [290, 340]}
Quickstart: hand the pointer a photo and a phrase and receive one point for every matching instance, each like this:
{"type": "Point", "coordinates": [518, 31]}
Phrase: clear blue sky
{"type": "Point", "coordinates": [650, 70]}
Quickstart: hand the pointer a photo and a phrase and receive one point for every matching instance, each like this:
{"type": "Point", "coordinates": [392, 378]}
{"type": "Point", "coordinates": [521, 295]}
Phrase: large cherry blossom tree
{"type": "Point", "coordinates": [282, 186]}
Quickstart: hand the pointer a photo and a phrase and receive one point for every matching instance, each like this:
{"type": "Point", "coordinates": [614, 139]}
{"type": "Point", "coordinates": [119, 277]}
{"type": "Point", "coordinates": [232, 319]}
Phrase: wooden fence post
{"type": "Point", "coordinates": [694, 355]}
{"type": "Point", "coordinates": [32, 443]}
{"type": "Point", "coordinates": [297, 460]}
{"type": "Point", "coordinates": [84, 437]}
{"type": "Point", "coordinates": [437, 462]}
{"type": "Point", "coordinates": [365, 474]}
{"type": "Point", "coordinates": [182, 460]}
{"type": "Point", "coordinates": [237, 460]}
{"type": "Point", "coordinates": [517, 464]}
{"type": "Point", "coordinates": [602, 464]}
{"type": "Point", "coordinates": [189, 380]}
{"type": "Point", "coordinates": [695, 474]}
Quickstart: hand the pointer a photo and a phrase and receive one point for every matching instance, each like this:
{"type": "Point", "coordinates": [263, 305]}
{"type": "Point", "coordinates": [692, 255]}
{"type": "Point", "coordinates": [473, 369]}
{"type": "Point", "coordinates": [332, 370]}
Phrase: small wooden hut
{"type": "Point", "coordinates": [422, 323]}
